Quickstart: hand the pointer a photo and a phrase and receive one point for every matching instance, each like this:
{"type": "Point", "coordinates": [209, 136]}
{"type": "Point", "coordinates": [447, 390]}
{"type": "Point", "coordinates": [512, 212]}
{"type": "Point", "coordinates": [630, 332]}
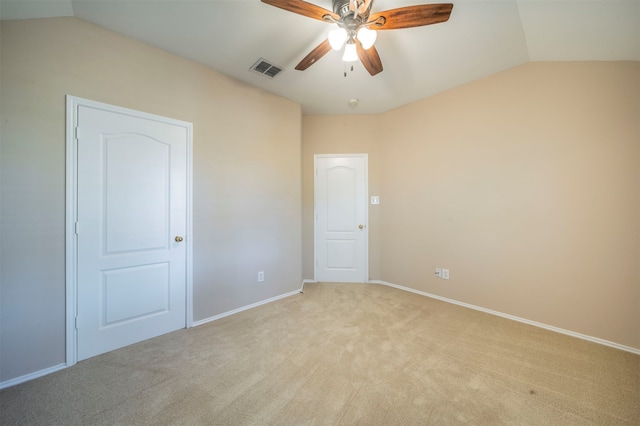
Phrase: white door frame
{"type": "Point", "coordinates": [366, 211]}
{"type": "Point", "coordinates": [71, 266]}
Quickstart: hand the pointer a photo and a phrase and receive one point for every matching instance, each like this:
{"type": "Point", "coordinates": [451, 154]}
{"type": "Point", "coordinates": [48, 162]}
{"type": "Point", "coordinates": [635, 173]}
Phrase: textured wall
{"type": "Point", "coordinates": [246, 175]}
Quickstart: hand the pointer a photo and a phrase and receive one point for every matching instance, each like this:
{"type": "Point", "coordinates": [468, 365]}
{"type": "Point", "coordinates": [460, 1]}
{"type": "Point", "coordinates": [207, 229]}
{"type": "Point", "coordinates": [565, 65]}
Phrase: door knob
{"type": "Point", "coordinates": [179, 239]}
{"type": "Point", "coordinates": [360, 226]}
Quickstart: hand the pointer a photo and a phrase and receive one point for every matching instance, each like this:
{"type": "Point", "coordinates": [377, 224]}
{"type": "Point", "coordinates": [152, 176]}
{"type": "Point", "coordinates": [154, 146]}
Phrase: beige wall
{"type": "Point", "coordinates": [247, 190]}
{"type": "Point", "coordinates": [340, 134]}
{"type": "Point", "coordinates": [526, 185]}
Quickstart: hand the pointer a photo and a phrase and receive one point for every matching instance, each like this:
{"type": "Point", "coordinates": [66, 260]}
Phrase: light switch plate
{"type": "Point", "coordinates": [375, 199]}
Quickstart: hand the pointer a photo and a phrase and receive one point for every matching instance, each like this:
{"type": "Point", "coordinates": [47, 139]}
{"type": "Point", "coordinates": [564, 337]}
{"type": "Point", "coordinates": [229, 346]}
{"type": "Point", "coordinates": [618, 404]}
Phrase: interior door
{"type": "Point", "coordinates": [131, 228]}
{"type": "Point", "coordinates": [341, 218]}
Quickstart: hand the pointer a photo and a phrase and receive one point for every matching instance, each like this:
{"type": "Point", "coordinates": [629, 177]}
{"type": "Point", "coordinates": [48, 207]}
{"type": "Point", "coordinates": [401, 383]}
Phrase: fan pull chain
{"type": "Point", "coordinates": [345, 68]}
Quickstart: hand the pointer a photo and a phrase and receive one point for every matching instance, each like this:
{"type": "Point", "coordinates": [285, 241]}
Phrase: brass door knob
{"type": "Point", "coordinates": [179, 239]}
{"type": "Point", "coordinates": [360, 226]}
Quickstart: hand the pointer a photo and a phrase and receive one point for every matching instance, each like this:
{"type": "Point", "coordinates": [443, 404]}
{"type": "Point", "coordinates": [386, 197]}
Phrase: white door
{"type": "Point", "coordinates": [341, 218]}
{"type": "Point", "coordinates": [131, 228]}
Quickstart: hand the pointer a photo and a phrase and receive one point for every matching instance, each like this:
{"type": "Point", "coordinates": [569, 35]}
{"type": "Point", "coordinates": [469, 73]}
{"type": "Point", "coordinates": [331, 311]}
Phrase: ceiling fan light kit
{"type": "Point", "coordinates": [366, 37]}
{"type": "Point", "coordinates": [357, 27]}
{"type": "Point", "coordinates": [350, 52]}
{"type": "Point", "coordinates": [337, 38]}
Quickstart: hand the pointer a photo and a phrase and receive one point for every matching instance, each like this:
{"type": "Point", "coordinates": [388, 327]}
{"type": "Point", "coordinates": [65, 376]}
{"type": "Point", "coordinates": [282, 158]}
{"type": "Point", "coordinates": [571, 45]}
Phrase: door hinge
{"type": "Point", "coordinates": [77, 228]}
{"type": "Point", "coordinates": [76, 322]}
{"type": "Point", "coordinates": [79, 132]}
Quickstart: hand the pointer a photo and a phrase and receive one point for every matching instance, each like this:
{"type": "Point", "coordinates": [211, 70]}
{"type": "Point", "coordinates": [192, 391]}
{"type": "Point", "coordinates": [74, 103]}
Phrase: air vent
{"type": "Point", "coordinates": [266, 68]}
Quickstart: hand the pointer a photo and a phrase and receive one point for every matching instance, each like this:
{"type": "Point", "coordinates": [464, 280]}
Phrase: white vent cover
{"type": "Point", "coordinates": [266, 68]}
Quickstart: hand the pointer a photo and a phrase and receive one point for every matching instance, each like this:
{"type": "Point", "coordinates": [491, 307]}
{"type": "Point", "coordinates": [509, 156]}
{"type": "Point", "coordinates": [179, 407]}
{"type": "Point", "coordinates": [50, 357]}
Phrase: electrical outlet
{"type": "Point", "coordinates": [260, 276]}
{"type": "Point", "coordinates": [445, 274]}
{"type": "Point", "coordinates": [438, 273]}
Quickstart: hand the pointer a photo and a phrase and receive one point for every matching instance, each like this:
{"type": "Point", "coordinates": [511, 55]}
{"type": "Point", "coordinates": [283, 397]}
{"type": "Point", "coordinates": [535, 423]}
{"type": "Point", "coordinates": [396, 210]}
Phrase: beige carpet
{"type": "Point", "coordinates": [343, 354]}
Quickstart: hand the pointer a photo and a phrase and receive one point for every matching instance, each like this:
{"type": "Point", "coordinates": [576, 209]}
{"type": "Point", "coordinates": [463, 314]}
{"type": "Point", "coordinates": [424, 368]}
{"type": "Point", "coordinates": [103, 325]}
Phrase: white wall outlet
{"type": "Point", "coordinates": [375, 199]}
{"type": "Point", "coordinates": [438, 273]}
{"type": "Point", "coordinates": [260, 276]}
{"type": "Point", "coordinates": [445, 274]}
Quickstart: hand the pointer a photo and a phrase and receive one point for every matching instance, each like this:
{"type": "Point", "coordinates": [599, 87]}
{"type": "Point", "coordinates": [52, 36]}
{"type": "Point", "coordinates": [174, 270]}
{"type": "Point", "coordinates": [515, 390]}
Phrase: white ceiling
{"type": "Point", "coordinates": [480, 38]}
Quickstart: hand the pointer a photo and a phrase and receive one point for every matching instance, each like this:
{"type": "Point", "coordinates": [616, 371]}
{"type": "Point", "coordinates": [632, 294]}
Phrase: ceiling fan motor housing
{"type": "Point", "coordinates": [341, 7]}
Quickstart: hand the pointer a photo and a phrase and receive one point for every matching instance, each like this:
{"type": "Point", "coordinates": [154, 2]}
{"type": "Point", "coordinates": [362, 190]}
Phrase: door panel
{"type": "Point", "coordinates": [143, 222]}
{"type": "Point", "coordinates": [341, 216]}
{"type": "Point", "coordinates": [132, 203]}
{"type": "Point", "coordinates": [341, 254]}
{"type": "Point", "coordinates": [135, 292]}
{"type": "Point", "coordinates": [342, 196]}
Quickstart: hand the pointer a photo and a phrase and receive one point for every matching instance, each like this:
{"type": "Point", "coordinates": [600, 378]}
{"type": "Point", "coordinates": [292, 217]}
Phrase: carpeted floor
{"type": "Point", "coordinates": [343, 354]}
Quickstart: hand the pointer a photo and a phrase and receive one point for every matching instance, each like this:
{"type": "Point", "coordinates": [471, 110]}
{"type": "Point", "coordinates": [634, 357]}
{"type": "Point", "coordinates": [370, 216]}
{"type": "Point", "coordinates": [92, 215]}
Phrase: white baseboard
{"type": "Point", "coordinates": [31, 376]}
{"type": "Point", "coordinates": [244, 308]}
{"type": "Point", "coordinates": [514, 318]}
{"type": "Point", "coordinates": [36, 374]}
{"type": "Point", "coordinates": [44, 372]}
{"type": "Point", "coordinates": [307, 282]}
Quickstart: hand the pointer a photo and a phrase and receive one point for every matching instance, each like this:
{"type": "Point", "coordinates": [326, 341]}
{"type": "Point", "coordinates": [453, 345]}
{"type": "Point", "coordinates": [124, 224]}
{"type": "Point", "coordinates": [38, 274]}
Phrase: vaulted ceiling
{"type": "Point", "coordinates": [480, 38]}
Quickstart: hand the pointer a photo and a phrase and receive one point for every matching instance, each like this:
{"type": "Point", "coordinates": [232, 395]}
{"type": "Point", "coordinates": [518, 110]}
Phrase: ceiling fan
{"type": "Point", "coordinates": [356, 26]}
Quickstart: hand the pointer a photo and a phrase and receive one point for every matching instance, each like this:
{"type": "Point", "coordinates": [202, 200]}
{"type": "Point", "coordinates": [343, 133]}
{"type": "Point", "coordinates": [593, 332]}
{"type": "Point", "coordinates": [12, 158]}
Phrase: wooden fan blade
{"type": "Point", "coordinates": [313, 56]}
{"type": "Point", "coordinates": [412, 16]}
{"type": "Point", "coordinates": [370, 59]}
{"type": "Point", "coordinates": [302, 8]}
